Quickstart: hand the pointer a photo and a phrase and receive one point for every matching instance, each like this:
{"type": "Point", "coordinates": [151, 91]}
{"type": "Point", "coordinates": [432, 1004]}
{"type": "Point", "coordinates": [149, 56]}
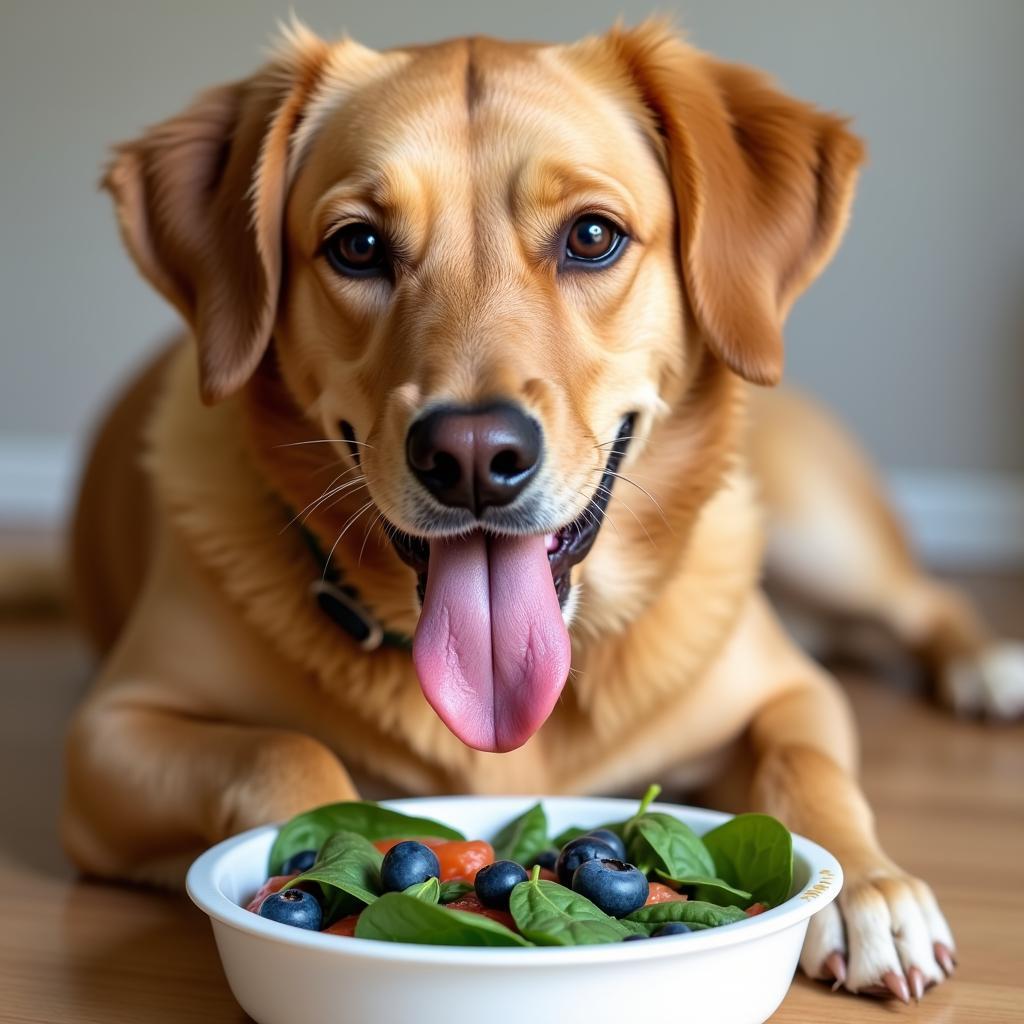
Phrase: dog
{"type": "Point", "coordinates": [466, 409]}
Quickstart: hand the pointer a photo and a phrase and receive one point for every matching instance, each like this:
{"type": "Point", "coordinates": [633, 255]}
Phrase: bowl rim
{"type": "Point", "coordinates": [203, 887]}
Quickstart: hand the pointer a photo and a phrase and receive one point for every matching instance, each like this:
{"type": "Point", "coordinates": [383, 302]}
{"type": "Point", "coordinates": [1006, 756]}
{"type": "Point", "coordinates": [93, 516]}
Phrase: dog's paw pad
{"type": "Point", "coordinates": [991, 684]}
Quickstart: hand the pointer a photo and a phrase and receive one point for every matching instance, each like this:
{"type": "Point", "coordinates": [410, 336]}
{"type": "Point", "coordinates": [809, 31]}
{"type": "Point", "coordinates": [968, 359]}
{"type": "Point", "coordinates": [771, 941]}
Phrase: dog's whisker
{"type": "Point", "coordinates": [592, 516]}
{"type": "Point", "coordinates": [310, 508]}
{"type": "Point", "coordinates": [313, 506]}
{"type": "Point", "coordinates": [622, 501]}
{"type": "Point", "coordinates": [340, 498]}
{"type": "Point", "coordinates": [643, 490]}
{"type": "Point", "coordinates": [332, 465]}
{"type": "Point", "coordinates": [324, 440]}
{"type": "Point", "coordinates": [616, 440]}
{"type": "Point", "coordinates": [366, 536]}
{"type": "Point", "coordinates": [348, 526]}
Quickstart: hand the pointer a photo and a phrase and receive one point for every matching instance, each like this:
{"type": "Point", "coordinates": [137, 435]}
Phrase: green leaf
{"type": "Point", "coordinates": [692, 912]}
{"type": "Point", "coordinates": [524, 837]}
{"type": "Point", "coordinates": [568, 835]}
{"type": "Point", "coordinates": [307, 831]}
{"type": "Point", "coordinates": [754, 852]}
{"type": "Point", "coordinates": [398, 917]}
{"type": "Point", "coordinates": [347, 870]}
{"type": "Point", "coordinates": [711, 890]}
{"type": "Point", "coordinates": [452, 891]}
{"type": "Point", "coordinates": [549, 914]}
{"type": "Point", "coordinates": [660, 842]}
{"type": "Point", "coordinates": [428, 891]}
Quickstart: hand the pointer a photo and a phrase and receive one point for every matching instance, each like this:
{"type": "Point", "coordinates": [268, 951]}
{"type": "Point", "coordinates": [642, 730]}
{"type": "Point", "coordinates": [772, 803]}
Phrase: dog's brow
{"type": "Point", "coordinates": [553, 183]}
{"type": "Point", "coordinates": [388, 191]}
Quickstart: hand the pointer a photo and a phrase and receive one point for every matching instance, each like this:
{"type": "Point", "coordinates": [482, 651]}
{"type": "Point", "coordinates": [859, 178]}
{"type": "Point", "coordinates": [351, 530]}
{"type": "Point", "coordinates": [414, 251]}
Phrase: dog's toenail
{"type": "Point", "coordinates": [897, 985]}
{"type": "Point", "coordinates": [835, 967]}
{"type": "Point", "coordinates": [916, 979]}
{"type": "Point", "coordinates": [945, 957]}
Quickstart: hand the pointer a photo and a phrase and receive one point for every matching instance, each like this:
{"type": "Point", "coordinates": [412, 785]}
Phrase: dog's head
{"type": "Point", "coordinates": [490, 272]}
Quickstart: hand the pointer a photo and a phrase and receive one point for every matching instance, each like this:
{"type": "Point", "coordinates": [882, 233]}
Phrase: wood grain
{"type": "Point", "coordinates": [948, 795]}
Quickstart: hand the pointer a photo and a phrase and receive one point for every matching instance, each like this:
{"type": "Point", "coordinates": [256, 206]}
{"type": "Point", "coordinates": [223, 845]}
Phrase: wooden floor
{"type": "Point", "coordinates": [949, 797]}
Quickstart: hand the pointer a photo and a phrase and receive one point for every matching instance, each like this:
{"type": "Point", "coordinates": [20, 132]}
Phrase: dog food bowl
{"type": "Point", "coordinates": [736, 974]}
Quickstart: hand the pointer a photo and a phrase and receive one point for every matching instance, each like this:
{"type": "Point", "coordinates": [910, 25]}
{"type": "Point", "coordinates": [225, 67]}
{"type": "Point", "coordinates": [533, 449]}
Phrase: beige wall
{"type": "Point", "coordinates": [916, 333]}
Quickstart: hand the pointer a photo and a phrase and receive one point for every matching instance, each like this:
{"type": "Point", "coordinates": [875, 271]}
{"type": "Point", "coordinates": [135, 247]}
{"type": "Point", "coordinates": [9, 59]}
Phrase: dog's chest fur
{"type": "Point", "coordinates": [623, 716]}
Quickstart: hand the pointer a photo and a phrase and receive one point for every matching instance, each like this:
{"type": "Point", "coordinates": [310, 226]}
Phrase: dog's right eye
{"type": "Point", "coordinates": [357, 250]}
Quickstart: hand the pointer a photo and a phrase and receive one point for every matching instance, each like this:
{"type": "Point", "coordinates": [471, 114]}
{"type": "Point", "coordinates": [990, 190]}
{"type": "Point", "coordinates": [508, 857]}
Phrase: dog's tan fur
{"type": "Point", "coordinates": [226, 699]}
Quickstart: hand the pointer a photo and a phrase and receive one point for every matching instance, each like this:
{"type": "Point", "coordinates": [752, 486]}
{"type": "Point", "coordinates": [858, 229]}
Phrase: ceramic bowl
{"type": "Point", "coordinates": [737, 974]}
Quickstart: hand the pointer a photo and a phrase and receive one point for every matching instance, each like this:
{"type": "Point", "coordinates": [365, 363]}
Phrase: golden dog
{"type": "Point", "coordinates": [480, 285]}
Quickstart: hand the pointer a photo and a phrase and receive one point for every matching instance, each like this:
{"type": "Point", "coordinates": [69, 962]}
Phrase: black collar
{"type": "Point", "coordinates": [339, 601]}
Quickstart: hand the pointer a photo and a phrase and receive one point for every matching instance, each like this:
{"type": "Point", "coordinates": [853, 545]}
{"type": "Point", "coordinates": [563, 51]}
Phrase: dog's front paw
{"type": "Point", "coordinates": [885, 935]}
{"type": "Point", "coordinates": [992, 684]}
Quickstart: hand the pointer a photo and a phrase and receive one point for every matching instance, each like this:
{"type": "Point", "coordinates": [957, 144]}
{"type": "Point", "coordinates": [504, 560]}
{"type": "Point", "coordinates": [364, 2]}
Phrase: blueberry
{"type": "Point", "coordinates": [495, 882]}
{"type": "Point", "coordinates": [299, 862]}
{"type": "Point", "coordinates": [614, 887]}
{"type": "Point", "coordinates": [545, 859]}
{"type": "Point", "coordinates": [295, 907]}
{"type": "Point", "coordinates": [633, 938]}
{"type": "Point", "coordinates": [671, 928]}
{"type": "Point", "coordinates": [406, 864]}
{"type": "Point", "coordinates": [606, 835]}
{"type": "Point", "coordinates": [575, 852]}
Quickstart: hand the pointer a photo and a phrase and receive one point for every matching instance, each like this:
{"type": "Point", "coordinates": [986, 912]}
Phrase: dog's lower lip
{"type": "Point", "coordinates": [566, 546]}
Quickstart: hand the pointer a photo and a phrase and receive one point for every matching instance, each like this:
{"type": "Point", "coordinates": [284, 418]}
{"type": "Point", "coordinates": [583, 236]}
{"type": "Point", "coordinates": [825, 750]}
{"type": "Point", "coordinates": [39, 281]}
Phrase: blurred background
{"type": "Point", "coordinates": [915, 334]}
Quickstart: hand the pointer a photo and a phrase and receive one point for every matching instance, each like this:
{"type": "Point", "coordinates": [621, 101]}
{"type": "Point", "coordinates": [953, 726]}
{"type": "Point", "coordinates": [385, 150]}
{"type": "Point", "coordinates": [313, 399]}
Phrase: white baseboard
{"type": "Point", "coordinates": [962, 518]}
{"type": "Point", "coordinates": [956, 519]}
{"type": "Point", "coordinates": [37, 475]}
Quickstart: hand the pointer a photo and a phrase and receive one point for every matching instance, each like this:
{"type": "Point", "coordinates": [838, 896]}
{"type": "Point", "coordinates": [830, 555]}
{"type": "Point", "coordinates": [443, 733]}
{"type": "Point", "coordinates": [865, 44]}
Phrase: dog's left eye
{"type": "Point", "coordinates": [593, 240]}
{"type": "Point", "coordinates": [357, 250]}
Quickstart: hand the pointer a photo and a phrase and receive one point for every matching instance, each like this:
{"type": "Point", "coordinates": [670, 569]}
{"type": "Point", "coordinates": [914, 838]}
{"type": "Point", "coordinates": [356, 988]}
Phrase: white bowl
{"type": "Point", "coordinates": [736, 974]}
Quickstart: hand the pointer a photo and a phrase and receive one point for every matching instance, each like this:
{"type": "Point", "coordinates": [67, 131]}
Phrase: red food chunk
{"type": "Point", "coordinates": [472, 905]}
{"type": "Point", "coordinates": [548, 875]}
{"type": "Point", "coordinates": [273, 884]}
{"type": "Point", "coordinates": [343, 926]}
{"type": "Point", "coordinates": [660, 893]}
{"type": "Point", "coordinates": [756, 908]}
{"type": "Point", "coordinates": [460, 861]}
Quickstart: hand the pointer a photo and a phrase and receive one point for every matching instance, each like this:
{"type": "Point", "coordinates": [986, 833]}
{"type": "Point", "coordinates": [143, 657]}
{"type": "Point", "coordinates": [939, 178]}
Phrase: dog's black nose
{"type": "Point", "coordinates": [474, 458]}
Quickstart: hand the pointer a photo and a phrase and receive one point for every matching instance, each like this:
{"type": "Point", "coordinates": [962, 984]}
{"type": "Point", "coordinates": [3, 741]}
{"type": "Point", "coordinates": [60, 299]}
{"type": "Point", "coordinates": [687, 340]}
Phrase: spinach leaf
{"type": "Point", "coordinates": [660, 842]}
{"type": "Point", "coordinates": [524, 837]}
{"type": "Point", "coordinates": [696, 914]}
{"type": "Point", "coordinates": [308, 831]}
{"type": "Point", "coordinates": [548, 914]}
{"type": "Point", "coordinates": [398, 917]}
{"type": "Point", "coordinates": [452, 891]}
{"type": "Point", "coordinates": [712, 890]}
{"type": "Point", "coordinates": [428, 891]}
{"type": "Point", "coordinates": [567, 836]}
{"type": "Point", "coordinates": [754, 852]}
{"type": "Point", "coordinates": [347, 870]}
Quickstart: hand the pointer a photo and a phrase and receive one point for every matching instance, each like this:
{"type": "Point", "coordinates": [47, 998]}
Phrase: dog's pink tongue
{"type": "Point", "coordinates": [491, 649]}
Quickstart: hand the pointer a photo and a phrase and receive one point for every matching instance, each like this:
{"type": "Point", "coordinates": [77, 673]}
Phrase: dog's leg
{"type": "Point", "coordinates": [176, 746]}
{"type": "Point", "coordinates": [885, 932]}
{"type": "Point", "coordinates": [147, 789]}
{"type": "Point", "coordinates": [836, 543]}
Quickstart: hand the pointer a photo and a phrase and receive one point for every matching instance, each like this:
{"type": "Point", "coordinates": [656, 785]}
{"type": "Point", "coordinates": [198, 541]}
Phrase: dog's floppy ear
{"type": "Point", "coordinates": [200, 200]}
{"type": "Point", "coordinates": [762, 183]}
